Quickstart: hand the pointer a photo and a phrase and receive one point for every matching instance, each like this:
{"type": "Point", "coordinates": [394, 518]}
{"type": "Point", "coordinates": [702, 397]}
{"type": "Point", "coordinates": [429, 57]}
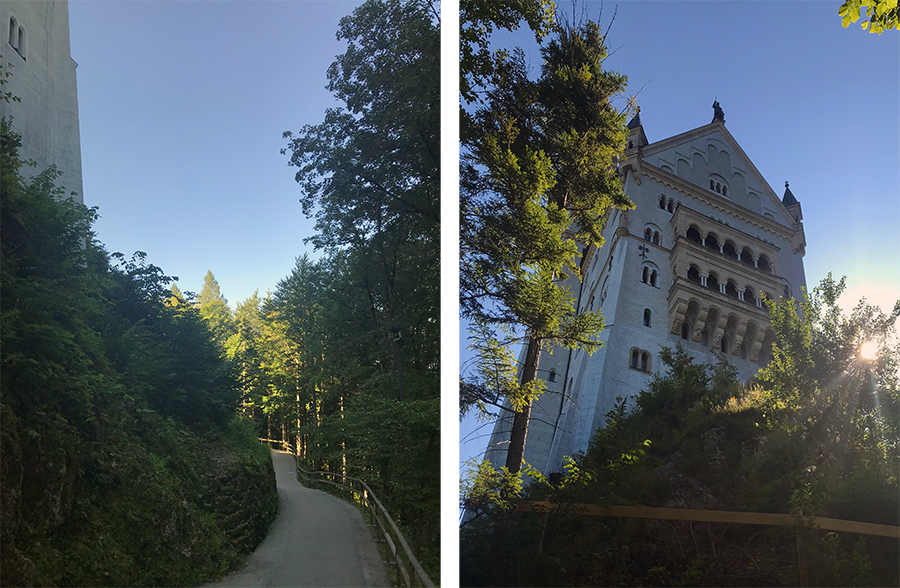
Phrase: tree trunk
{"type": "Point", "coordinates": [519, 432]}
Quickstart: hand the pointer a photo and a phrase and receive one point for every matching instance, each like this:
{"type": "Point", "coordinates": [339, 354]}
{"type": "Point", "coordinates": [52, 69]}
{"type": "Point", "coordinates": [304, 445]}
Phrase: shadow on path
{"type": "Point", "coordinates": [317, 540]}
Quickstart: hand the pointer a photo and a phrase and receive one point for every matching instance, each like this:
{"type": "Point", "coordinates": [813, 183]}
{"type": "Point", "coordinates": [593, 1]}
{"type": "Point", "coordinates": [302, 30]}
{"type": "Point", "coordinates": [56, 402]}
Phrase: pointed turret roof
{"type": "Point", "coordinates": [788, 199]}
{"type": "Point", "coordinates": [636, 121]}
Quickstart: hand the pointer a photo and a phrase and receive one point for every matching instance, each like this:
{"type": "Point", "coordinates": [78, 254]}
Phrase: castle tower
{"type": "Point", "coordinates": [35, 50]}
{"type": "Point", "coordinates": [707, 240]}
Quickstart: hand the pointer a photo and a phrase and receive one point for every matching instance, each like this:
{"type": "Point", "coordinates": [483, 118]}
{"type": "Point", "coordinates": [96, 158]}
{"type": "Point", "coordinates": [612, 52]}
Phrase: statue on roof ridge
{"type": "Point", "coordinates": [719, 113]}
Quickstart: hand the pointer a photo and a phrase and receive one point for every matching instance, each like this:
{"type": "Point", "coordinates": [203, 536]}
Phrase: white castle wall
{"type": "Point", "coordinates": [43, 76]}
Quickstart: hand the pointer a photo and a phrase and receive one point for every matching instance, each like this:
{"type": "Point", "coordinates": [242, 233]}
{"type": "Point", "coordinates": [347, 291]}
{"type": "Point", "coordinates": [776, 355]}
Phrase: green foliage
{"type": "Point", "coordinates": [882, 14]}
{"type": "Point", "coordinates": [538, 163]}
{"type": "Point", "coordinates": [214, 310]}
{"type": "Point", "coordinates": [697, 439]}
{"type": "Point", "coordinates": [113, 393]}
{"type": "Point", "coordinates": [342, 359]}
{"type": "Point", "coordinates": [478, 20]}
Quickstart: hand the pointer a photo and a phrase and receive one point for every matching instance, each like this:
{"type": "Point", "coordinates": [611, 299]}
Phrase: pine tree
{"type": "Point", "coordinates": [540, 162]}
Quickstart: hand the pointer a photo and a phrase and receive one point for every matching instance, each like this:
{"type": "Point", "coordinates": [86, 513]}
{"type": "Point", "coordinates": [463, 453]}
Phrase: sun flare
{"type": "Point", "coordinates": [868, 350]}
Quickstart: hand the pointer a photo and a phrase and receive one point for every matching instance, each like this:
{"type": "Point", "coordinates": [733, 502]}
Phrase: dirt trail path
{"type": "Point", "coordinates": [317, 540]}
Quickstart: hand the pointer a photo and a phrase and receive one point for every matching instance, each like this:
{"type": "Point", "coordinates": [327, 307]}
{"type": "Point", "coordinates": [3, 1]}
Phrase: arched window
{"type": "Point", "coordinates": [731, 289]}
{"type": "Point", "coordinates": [671, 207]}
{"type": "Point", "coordinates": [725, 344]}
{"type": "Point", "coordinates": [712, 242]}
{"type": "Point", "coordinates": [646, 317]}
{"type": "Point", "coordinates": [704, 337]}
{"type": "Point", "coordinates": [746, 256]}
{"type": "Point", "coordinates": [21, 47]}
{"type": "Point", "coordinates": [645, 362]}
{"type": "Point", "coordinates": [685, 330]}
{"type": "Point", "coordinates": [743, 350]}
{"type": "Point", "coordinates": [712, 282]}
{"type": "Point", "coordinates": [763, 263]}
{"type": "Point", "coordinates": [724, 190]}
{"type": "Point", "coordinates": [718, 187]}
{"type": "Point", "coordinates": [729, 250]}
{"type": "Point", "coordinates": [712, 184]}
{"type": "Point", "coordinates": [655, 238]}
{"type": "Point", "coordinates": [749, 298]}
{"type": "Point", "coordinates": [645, 275]}
{"type": "Point", "coordinates": [693, 234]}
{"type": "Point", "coordinates": [662, 201]}
{"type": "Point", "coordinates": [634, 358]}
{"type": "Point", "coordinates": [693, 275]}
{"type": "Point", "coordinates": [13, 32]}
{"type": "Point", "coordinates": [653, 275]}
{"type": "Point", "coordinates": [551, 377]}
{"type": "Point", "coordinates": [647, 234]}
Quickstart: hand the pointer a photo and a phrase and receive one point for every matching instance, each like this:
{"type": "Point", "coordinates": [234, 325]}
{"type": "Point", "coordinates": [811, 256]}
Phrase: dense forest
{"type": "Point", "coordinates": [341, 359]}
{"type": "Point", "coordinates": [124, 459]}
{"type": "Point", "coordinates": [131, 410]}
{"type": "Point", "coordinates": [815, 434]}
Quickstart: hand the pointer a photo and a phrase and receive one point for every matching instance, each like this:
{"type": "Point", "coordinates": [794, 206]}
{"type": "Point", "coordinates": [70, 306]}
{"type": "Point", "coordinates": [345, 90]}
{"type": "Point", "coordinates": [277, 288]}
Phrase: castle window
{"type": "Point", "coordinates": [647, 234]}
{"type": "Point", "coordinates": [635, 357]}
{"type": "Point", "coordinates": [693, 234]}
{"type": "Point", "coordinates": [725, 343]}
{"type": "Point", "coordinates": [748, 296]}
{"type": "Point", "coordinates": [731, 290]}
{"type": "Point", "coordinates": [729, 250]}
{"type": "Point", "coordinates": [671, 207]}
{"type": "Point", "coordinates": [746, 256]}
{"type": "Point", "coordinates": [724, 190]}
{"type": "Point", "coordinates": [712, 282]}
{"type": "Point", "coordinates": [662, 201]}
{"type": "Point", "coordinates": [646, 317]}
{"type": "Point", "coordinates": [645, 362]}
{"type": "Point", "coordinates": [693, 275]}
{"type": "Point", "coordinates": [21, 47]}
{"type": "Point", "coordinates": [655, 239]}
{"type": "Point", "coordinates": [704, 338]}
{"type": "Point", "coordinates": [712, 242]}
{"type": "Point", "coordinates": [712, 184]}
{"type": "Point", "coordinates": [719, 188]}
{"type": "Point", "coordinates": [685, 330]}
{"type": "Point", "coordinates": [551, 377]}
{"type": "Point", "coordinates": [653, 275]}
{"type": "Point", "coordinates": [13, 31]}
{"type": "Point", "coordinates": [743, 351]}
{"type": "Point", "coordinates": [763, 263]}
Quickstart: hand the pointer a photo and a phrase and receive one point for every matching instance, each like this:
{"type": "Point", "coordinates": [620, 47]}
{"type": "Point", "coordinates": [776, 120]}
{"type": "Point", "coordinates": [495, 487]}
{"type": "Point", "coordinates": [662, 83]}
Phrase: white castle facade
{"type": "Point", "coordinates": [708, 238]}
{"type": "Point", "coordinates": [35, 49]}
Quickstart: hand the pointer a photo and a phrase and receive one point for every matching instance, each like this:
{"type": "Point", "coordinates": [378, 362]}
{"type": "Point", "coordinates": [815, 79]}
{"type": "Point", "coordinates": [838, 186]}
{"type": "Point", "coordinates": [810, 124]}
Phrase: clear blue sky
{"type": "Point", "coordinates": [809, 102]}
{"type": "Point", "coordinates": [182, 106]}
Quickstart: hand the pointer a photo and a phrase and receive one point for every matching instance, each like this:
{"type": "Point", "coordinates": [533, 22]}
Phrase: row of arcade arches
{"type": "Point", "coordinates": [729, 248]}
{"type": "Point", "coordinates": [727, 333]}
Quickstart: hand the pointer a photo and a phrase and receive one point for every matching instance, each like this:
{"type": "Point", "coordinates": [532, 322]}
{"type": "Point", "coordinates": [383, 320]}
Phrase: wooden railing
{"type": "Point", "coordinates": [400, 556]}
{"type": "Point", "coordinates": [715, 516]}
{"type": "Point", "coordinates": [409, 571]}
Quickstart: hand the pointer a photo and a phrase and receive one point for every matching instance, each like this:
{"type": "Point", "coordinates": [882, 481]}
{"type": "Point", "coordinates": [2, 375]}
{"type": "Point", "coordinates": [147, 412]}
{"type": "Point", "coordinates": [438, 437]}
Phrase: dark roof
{"type": "Point", "coordinates": [788, 199]}
{"type": "Point", "coordinates": [636, 121]}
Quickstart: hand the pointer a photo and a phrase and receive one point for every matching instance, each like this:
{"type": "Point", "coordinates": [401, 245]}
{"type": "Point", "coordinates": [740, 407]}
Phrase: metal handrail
{"type": "Point", "coordinates": [365, 494]}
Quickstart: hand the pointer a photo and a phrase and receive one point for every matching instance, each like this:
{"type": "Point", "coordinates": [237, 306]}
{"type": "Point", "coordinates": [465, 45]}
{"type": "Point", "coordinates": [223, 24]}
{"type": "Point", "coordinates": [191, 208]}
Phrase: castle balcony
{"type": "Point", "coordinates": [719, 321]}
{"type": "Point", "coordinates": [718, 239]}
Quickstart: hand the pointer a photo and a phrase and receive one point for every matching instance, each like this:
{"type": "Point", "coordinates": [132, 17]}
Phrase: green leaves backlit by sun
{"type": "Point", "coordinates": [868, 350]}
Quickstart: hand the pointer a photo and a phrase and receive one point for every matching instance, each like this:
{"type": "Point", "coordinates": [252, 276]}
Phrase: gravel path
{"type": "Point", "coordinates": [316, 540]}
